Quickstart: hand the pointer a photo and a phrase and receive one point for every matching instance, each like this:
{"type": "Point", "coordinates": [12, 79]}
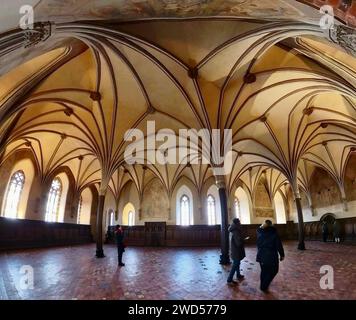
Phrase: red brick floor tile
{"type": "Point", "coordinates": [174, 273]}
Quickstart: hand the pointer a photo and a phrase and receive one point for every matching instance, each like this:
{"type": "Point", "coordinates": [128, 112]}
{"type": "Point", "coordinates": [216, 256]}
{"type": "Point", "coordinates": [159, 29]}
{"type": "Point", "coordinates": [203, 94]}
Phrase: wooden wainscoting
{"type": "Point", "coordinates": [192, 236]}
{"type": "Point", "coordinates": [20, 234]}
{"type": "Point", "coordinates": [313, 230]}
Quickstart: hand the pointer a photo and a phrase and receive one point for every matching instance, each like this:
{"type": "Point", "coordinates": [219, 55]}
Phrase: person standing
{"type": "Point", "coordinates": [237, 250]}
{"type": "Point", "coordinates": [325, 231]}
{"type": "Point", "coordinates": [336, 230]}
{"type": "Point", "coordinates": [269, 245]}
{"type": "Point", "coordinates": [119, 233]}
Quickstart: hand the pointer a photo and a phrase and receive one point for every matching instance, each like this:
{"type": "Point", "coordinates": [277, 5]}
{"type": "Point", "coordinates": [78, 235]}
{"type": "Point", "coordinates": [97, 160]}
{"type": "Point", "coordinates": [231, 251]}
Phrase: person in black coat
{"type": "Point", "coordinates": [237, 250]}
{"type": "Point", "coordinates": [325, 231]}
{"type": "Point", "coordinates": [336, 231]}
{"type": "Point", "coordinates": [119, 233]}
{"type": "Point", "coordinates": [269, 245]}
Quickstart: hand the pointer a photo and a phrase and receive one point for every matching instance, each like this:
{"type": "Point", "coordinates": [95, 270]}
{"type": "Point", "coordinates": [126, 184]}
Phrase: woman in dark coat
{"type": "Point", "coordinates": [269, 245]}
{"type": "Point", "coordinates": [237, 250]}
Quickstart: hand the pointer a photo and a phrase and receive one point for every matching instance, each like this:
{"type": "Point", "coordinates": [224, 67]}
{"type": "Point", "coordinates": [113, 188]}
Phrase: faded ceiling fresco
{"type": "Point", "coordinates": [140, 9]}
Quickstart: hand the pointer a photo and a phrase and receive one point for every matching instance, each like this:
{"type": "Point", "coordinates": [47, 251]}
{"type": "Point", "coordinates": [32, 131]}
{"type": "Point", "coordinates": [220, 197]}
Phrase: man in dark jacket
{"type": "Point", "coordinates": [268, 246]}
{"type": "Point", "coordinates": [119, 233]}
{"type": "Point", "coordinates": [237, 250]}
{"type": "Point", "coordinates": [325, 231]}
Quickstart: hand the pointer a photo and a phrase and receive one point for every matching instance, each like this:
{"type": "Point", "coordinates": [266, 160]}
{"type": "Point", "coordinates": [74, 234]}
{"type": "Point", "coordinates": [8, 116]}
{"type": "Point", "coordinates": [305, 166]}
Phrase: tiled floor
{"type": "Point", "coordinates": [173, 273]}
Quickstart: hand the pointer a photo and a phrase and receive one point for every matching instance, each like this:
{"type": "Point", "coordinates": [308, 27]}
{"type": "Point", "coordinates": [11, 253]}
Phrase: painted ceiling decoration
{"type": "Point", "coordinates": [69, 90]}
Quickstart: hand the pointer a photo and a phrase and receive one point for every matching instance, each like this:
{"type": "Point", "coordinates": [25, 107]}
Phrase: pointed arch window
{"type": "Point", "coordinates": [211, 210]}
{"type": "Point", "coordinates": [237, 208]}
{"type": "Point", "coordinates": [111, 218]}
{"type": "Point", "coordinates": [185, 210]}
{"type": "Point", "coordinates": [131, 218]}
{"type": "Point", "coordinates": [54, 196]}
{"type": "Point", "coordinates": [13, 194]}
{"type": "Point", "coordinates": [79, 211]}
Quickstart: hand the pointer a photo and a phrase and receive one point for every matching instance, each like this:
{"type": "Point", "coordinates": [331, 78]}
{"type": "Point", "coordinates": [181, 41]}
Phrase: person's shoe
{"type": "Point", "coordinates": [121, 264]}
{"type": "Point", "coordinates": [265, 290]}
{"type": "Point", "coordinates": [232, 282]}
{"type": "Point", "coordinates": [240, 277]}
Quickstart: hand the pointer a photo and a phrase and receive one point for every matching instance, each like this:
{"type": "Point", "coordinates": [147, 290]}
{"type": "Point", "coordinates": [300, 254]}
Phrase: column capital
{"type": "Point", "coordinates": [220, 182]}
{"type": "Point", "coordinates": [103, 187]}
{"type": "Point", "coordinates": [296, 194]}
{"type": "Point", "coordinates": [102, 191]}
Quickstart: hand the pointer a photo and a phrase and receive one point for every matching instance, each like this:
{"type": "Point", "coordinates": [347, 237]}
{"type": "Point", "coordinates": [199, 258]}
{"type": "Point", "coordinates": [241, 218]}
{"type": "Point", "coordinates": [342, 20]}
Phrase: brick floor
{"type": "Point", "coordinates": [173, 273]}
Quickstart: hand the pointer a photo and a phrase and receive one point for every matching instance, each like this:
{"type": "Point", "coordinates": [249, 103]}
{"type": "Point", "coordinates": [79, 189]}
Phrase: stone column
{"type": "Point", "coordinates": [140, 214]}
{"type": "Point", "coordinates": [298, 203]}
{"type": "Point", "coordinates": [169, 212]}
{"type": "Point", "coordinates": [117, 210]}
{"type": "Point", "coordinates": [343, 198]}
{"type": "Point", "coordinates": [41, 199]}
{"type": "Point", "coordinates": [200, 208]}
{"type": "Point", "coordinates": [311, 206]}
{"type": "Point", "coordinates": [224, 257]}
{"type": "Point", "coordinates": [99, 224]}
{"type": "Point", "coordinates": [344, 204]}
{"type": "Point", "coordinates": [74, 208]}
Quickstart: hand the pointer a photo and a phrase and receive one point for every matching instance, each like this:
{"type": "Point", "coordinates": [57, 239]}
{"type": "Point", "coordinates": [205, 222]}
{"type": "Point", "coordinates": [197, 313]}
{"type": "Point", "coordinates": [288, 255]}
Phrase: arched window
{"type": "Point", "coordinates": [13, 194]}
{"type": "Point", "coordinates": [242, 206]}
{"type": "Point", "coordinates": [54, 196]}
{"type": "Point", "coordinates": [184, 210]}
{"type": "Point", "coordinates": [237, 208]}
{"type": "Point", "coordinates": [80, 204]}
{"type": "Point", "coordinates": [128, 214]}
{"type": "Point", "coordinates": [111, 218]}
{"type": "Point", "coordinates": [211, 210]}
{"type": "Point", "coordinates": [279, 208]}
{"type": "Point", "coordinates": [131, 218]}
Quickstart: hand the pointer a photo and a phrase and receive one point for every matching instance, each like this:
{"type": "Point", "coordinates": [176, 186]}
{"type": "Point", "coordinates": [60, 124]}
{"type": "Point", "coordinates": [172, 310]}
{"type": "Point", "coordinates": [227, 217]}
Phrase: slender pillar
{"type": "Point", "coordinates": [169, 212]}
{"type": "Point", "coordinates": [74, 208]}
{"type": "Point", "coordinates": [224, 257]}
{"type": "Point", "coordinates": [301, 244]}
{"type": "Point", "coordinates": [343, 197]}
{"type": "Point", "coordinates": [117, 210]}
{"type": "Point", "coordinates": [344, 204]}
{"type": "Point", "coordinates": [310, 202]}
{"type": "Point", "coordinates": [41, 199]}
{"type": "Point", "coordinates": [99, 226]}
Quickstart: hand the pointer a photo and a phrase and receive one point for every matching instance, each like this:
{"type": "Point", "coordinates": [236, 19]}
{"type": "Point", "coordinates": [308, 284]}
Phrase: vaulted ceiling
{"type": "Point", "coordinates": [284, 89]}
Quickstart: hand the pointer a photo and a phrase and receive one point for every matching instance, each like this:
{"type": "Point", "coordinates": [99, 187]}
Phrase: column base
{"type": "Point", "coordinates": [224, 259]}
{"type": "Point", "coordinates": [100, 253]}
{"type": "Point", "coordinates": [301, 246]}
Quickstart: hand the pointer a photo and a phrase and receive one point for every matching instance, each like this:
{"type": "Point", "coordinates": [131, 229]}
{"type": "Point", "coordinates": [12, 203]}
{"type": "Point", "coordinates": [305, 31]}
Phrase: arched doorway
{"type": "Point", "coordinates": [329, 219]}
